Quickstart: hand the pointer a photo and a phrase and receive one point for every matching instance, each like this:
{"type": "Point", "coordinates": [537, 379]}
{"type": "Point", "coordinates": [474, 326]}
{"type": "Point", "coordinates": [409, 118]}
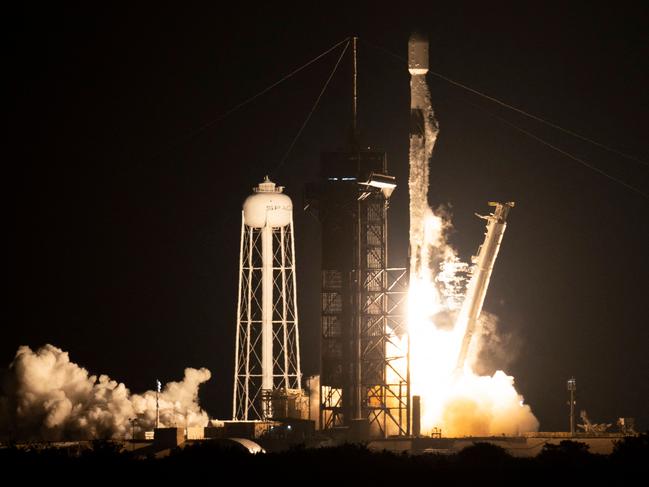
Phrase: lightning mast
{"type": "Point", "coordinates": [362, 298]}
{"type": "Point", "coordinates": [158, 385]}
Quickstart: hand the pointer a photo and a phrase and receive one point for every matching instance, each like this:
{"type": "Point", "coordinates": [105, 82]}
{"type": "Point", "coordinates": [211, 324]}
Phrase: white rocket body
{"type": "Point", "coordinates": [417, 67]}
{"type": "Point", "coordinates": [417, 55]}
{"type": "Point", "coordinates": [423, 133]}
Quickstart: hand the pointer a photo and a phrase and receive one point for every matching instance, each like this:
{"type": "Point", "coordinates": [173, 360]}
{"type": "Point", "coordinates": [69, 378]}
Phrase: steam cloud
{"type": "Point", "coordinates": [46, 396]}
{"type": "Point", "coordinates": [486, 406]}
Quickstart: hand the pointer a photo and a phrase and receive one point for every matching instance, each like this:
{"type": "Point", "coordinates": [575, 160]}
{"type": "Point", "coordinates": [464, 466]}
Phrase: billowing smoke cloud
{"type": "Point", "coordinates": [46, 396]}
{"type": "Point", "coordinates": [486, 406]}
{"type": "Point", "coordinates": [492, 348]}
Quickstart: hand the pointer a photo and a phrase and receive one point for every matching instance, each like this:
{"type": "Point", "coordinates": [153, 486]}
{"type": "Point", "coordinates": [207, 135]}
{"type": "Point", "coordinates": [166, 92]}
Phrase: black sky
{"type": "Point", "coordinates": [126, 232]}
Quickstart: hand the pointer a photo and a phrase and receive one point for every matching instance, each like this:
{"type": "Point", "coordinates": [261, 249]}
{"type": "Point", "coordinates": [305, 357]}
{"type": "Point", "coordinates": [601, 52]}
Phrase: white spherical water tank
{"type": "Point", "coordinates": [268, 206]}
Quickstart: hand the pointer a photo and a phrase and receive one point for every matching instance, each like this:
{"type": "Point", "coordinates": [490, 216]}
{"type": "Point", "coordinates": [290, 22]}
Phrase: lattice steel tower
{"type": "Point", "coordinates": [267, 358]}
{"type": "Point", "coordinates": [363, 383]}
{"type": "Point", "coordinates": [362, 376]}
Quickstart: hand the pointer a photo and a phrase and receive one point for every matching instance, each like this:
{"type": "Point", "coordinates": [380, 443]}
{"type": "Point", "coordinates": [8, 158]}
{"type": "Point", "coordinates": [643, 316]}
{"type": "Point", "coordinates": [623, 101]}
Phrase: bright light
{"type": "Point", "coordinates": [460, 402]}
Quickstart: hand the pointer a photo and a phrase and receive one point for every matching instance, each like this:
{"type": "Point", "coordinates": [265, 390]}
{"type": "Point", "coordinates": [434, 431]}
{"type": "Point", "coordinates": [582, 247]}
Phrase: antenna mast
{"type": "Point", "coordinates": [157, 403]}
{"type": "Point", "coordinates": [355, 93]}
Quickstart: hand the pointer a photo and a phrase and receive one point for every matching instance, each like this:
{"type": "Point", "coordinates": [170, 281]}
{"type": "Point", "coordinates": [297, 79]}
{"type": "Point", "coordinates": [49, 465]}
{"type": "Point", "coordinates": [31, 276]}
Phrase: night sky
{"type": "Point", "coordinates": [125, 219]}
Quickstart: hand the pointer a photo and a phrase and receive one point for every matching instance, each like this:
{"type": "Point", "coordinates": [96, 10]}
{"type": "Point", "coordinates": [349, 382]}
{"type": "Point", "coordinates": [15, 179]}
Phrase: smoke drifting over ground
{"type": "Point", "coordinates": [46, 396]}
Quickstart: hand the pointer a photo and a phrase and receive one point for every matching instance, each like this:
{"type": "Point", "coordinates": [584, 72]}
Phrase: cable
{"type": "Point", "coordinates": [529, 134]}
{"type": "Point", "coordinates": [315, 105]}
{"type": "Point", "coordinates": [567, 154]}
{"type": "Point", "coordinates": [245, 102]}
{"type": "Point", "coordinates": [381, 48]}
{"type": "Point", "coordinates": [518, 110]}
{"type": "Point", "coordinates": [539, 119]}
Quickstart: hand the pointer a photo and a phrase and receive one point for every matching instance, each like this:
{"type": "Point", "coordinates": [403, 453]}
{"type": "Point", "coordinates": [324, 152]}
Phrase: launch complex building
{"type": "Point", "coordinates": [360, 389]}
{"type": "Point", "coordinates": [362, 392]}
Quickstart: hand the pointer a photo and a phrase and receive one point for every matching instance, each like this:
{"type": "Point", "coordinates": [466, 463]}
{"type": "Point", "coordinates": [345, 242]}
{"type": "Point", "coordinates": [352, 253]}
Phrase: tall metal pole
{"type": "Point", "coordinates": [572, 388]}
{"type": "Point", "coordinates": [358, 303]}
{"type": "Point", "coordinates": [267, 312]}
{"type": "Point", "coordinates": [157, 404]}
{"type": "Point", "coordinates": [355, 92]}
{"type": "Point", "coordinates": [408, 391]}
{"type": "Point", "coordinates": [572, 412]}
{"type": "Point", "coordinates": [358, 275]}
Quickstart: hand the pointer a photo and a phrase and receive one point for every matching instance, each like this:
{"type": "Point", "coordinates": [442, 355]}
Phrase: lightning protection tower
{"type": "Point", "coordinates": [362, 383]}
{"type": "Point", "coordinates": [267, 356]}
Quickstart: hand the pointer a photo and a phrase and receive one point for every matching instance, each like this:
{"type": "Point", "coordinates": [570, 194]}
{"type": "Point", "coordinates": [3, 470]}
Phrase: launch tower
{"type": "Point", "coordinates": [362, 298]}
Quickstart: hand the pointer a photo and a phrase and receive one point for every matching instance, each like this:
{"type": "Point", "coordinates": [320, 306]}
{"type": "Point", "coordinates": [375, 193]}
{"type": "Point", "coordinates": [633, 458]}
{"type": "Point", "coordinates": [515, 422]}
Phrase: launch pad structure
{"type": "Point", "coordinates": [363, 389]}
{"type": "Point", "coordinates": [363, 315]}
{"type": "Point", "coordinates": [363, 300]}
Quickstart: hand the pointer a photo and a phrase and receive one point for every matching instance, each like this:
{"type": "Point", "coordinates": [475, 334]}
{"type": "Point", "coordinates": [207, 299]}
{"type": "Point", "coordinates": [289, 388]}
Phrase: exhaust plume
{"type": "Point", "coordinates": [459, 402]}
{"type": "Point", "coordinates": [45, 396]}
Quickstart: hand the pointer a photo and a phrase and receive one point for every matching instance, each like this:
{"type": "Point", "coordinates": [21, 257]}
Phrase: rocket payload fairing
{"type": "Point", "coordinates": [417, 61]}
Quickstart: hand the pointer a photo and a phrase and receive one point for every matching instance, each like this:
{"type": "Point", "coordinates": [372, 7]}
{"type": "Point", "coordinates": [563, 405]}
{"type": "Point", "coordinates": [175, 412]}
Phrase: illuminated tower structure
{"type": "Point", "coordinates": [267, 356]}
{"type": "Point", "coordinates": [362, 298]}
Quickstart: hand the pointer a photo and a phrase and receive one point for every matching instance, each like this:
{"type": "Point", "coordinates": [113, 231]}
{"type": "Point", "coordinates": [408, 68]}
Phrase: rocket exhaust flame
{"type": "Point", "coordinates": [49, 397]}
{"type": "Point", "coordinates": [443, 311]}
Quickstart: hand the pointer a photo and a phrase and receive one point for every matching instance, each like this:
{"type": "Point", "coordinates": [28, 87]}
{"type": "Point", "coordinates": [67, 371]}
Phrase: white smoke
{"type": "Point", "coordinates": [492, 347]}
{"type": "Point", "coordinates": [46, 396]}
{"type": "Point", "coordinates": [485, 406]}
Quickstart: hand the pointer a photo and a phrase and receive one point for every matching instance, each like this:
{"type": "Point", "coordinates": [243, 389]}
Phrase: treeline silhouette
{"type": "Point", "coordinates": [210, 462]}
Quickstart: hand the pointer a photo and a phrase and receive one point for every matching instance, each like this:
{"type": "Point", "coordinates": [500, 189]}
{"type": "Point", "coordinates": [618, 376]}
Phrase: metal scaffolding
{"type": "Point", "coordinates": [363, 353]}
{"type": "Point", "coordinates": [380, 296]}
{"type": "Point", "coordinates": [363, 345]}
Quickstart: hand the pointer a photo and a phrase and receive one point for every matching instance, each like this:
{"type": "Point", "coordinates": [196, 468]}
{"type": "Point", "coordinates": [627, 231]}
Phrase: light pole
{"type": "Point", "coordinates": [157, 403]}
{"type": "Point", "coordinates": [132, 421]}
{"type": "Point", "coordinates": [572, 388]}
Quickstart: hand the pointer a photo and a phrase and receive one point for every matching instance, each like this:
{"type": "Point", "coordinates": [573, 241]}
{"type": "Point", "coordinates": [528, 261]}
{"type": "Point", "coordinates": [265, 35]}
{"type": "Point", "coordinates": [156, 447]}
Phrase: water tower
{"type": "Point", "coordinates": [267, 358]}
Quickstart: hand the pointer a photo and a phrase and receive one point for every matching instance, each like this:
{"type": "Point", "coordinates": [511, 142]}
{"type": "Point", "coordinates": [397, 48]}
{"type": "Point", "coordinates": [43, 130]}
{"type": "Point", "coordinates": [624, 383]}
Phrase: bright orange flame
{"type": "Point", "coordinates": [459, 402]}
